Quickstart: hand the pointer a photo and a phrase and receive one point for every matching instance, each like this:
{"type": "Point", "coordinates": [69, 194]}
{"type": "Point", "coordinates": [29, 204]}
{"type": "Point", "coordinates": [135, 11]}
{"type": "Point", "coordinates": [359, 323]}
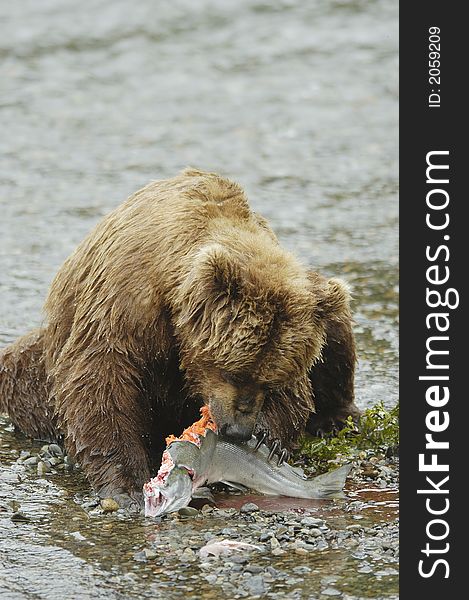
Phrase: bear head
{"type": "Point", "coordinates": [250, 324]}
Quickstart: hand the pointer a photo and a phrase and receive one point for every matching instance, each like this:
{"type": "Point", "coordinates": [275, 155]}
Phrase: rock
{"type": "Point", "coordinates": [109, 505]}
{"type": "Point", "coordinates": [249, 507]}
{"type": "Point", "coordinates": [29, 462]}
{"type": "Point", "coordinates": [279, 552]}
{"type": "Point", "coordinates": [188, 511]}
{"type": "Point", "coordinates": [274, 543]}
{"type": "Point", "coordinates": [281, 530]}
{"type": "Point", "coordinates": [188, 555]}
{"type": "Point", "coordinates": [330, 591]}
{"type": "Point", "coordinates": [42, 467]}
{"type": "Point", "coordinates": [150, 553]}
{"type": "Point", "coordinates": [315, 532]}
{"type": "Point", "coordinates": [55, 449]}
{"type": "Point", "coordinates": [238, 559]}
{"type": "Point", "coordinates": [386, 572]}
{"type": "Point", "coordinates": [19, 517]}
{"type": "Point", "coordinates": [254, 569]}
{"type": "Point", "coordinates": [255, 585]}
{"type": "Point", "coordinates": [322, 545]}
{"type": "Point", "coordinates": [301, 570]}
{"type": "Point", "coordinates": [312, 522]}
{"type": "Point", "coordinates": [369, 470]}
{"type": "Point", "coordinates": [354, 527]}
{"type": "Point", "coordinates": [365, 569]}
{"type": "Point", "coordinates": [140, 556]}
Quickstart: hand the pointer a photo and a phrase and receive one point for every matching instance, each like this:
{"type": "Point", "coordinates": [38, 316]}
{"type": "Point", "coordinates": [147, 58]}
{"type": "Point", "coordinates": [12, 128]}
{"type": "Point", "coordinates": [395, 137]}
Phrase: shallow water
{"type": "Point", "coordinates": [297, 101]}
{"type": "Point", "coordinates": [62, 550]}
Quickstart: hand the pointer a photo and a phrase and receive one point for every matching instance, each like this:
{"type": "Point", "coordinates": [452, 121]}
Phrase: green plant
{"type": "Point", "coordinates": [376, 431]}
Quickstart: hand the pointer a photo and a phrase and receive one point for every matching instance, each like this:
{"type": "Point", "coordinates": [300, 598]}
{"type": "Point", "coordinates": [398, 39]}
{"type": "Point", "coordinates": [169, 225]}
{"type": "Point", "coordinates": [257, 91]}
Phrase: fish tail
{"type": "Point", "coordinates": [331, 485]}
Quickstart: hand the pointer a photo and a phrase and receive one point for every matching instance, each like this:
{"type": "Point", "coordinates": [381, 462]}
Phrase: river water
{"type": "Point", "coordinates": [295, 100]}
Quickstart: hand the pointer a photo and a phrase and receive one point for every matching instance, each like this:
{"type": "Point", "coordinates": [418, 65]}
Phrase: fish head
{"type": "Point", "coordinates": [171, 495]}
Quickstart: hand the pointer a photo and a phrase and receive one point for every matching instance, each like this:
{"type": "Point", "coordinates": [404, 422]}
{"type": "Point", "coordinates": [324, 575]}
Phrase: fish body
{"type": "Point", "coordinates": [188, 465]}
{"type": "Point", "coordinates": [250, 466]}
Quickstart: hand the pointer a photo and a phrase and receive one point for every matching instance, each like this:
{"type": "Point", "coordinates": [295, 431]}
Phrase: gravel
{"type": "Point", "coordinates": [294, 550]}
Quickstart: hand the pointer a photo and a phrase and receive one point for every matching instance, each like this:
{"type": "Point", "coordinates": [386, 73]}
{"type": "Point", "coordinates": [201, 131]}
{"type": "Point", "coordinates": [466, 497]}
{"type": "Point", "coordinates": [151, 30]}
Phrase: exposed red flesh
{"type": "Point", "coordinates": [193, 433]}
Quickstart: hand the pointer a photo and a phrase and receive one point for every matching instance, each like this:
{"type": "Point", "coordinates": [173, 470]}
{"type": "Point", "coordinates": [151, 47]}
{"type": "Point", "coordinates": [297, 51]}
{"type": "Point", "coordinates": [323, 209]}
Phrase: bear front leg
{"type": "Point", "coordinates": [99, 406]}
{"type": "Point", "coordinates": [332, 380]}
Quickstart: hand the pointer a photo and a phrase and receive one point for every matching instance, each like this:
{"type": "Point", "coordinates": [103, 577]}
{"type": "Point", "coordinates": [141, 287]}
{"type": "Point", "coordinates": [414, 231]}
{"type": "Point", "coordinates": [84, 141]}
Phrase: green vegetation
{"type": "Point", "coordinates": [376, 432]}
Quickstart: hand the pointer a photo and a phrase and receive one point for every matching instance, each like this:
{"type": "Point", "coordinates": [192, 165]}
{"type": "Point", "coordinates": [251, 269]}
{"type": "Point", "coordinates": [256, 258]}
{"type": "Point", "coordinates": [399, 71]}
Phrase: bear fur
{"type": "Point", "coordinates": [181, 296]}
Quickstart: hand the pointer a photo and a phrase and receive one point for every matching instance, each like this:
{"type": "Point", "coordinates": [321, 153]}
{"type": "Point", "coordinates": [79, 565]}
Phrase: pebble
{"type": "Point", "coordinates": [322, 545]}
{"type": "Point", "coordinates": [238, 559]}
{"type": "Point", "coordinates": [18, 517]}
{"type": "Point", "coordinates": [386, 572]}
{"type": "Point", "coordinates": [315, 532]}
{"type": "Point", "coordinates": [330, 591]}
{"type": "Point", "coordinates": [365, 569]}
{"type": "Point", "coordinates": [55, 449]}
{"type": "Point", "coordinates": [188, 555]}
{"type": "Point", "coordinates": [301, 570]}
{"type": "Point", "coordinates": [254, 569]}
{"type": "Point", "coordinates": [249, 507]}
{"type": "Point", "coordinates": [354, 527]}
{"type": "Point", "coordinates": [109, 505]}
{"type": "Point", "coordinates": [42, 467]}
{"type": "Point", "coordinates": [140, 556]}
{"type": "Point", "coordinates": [255, 585]}
{"type": "Point", "coordinates": [33, 460]}
{"type": "Point", "coordinates": [188, 511]}
{"type": "Point", "coordinates": [312, 522]}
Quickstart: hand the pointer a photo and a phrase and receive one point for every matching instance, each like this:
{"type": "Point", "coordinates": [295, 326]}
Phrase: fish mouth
{"type": "Point", "coordinates": [159, 504]}
{"type": "Point", "coordinates": [159, 501]}
{"type": "Point", "coordinates": [156, 505]}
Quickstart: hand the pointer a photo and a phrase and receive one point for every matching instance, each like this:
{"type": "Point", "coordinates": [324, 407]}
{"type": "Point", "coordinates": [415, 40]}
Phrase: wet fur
{"type": "Point", "coordinates": [181, 295]}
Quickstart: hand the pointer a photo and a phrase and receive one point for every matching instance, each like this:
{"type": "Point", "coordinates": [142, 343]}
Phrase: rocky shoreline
{"type": "Point", "coordinates": [291, 548]}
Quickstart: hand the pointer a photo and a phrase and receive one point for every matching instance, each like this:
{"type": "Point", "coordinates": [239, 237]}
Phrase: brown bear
{"type": "Point", "coordinates": [181, 296]}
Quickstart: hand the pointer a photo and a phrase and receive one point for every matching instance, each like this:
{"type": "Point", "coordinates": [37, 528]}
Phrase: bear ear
{"type": "Point", "coordinates": [219, 270]}
{"type": "Point", "coordinates": [333, 297]}
{"type": "Point", "coordinates": [213, 281]}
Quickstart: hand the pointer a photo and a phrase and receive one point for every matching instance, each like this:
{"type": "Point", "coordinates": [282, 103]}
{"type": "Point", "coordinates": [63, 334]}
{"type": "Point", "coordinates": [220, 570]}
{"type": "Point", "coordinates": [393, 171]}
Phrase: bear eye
{"type": "Point", "coordinates": [230, 378]}
{"type": "Point", "coordinates": [271, 388]}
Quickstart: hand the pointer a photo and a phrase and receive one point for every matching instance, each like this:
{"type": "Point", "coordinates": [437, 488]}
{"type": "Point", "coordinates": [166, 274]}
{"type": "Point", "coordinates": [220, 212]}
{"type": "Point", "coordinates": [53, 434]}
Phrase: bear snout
{"type": "Point", "coordinates": [236, 432]}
